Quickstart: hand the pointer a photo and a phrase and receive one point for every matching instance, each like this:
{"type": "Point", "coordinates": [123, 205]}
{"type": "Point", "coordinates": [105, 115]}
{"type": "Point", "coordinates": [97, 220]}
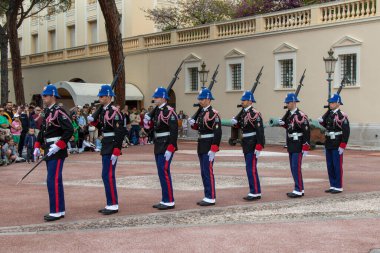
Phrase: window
{"type": "Point", "coordinates": [286, 73]}
{"type": "Point", "coordinates": [193, 73]}
{"type": "Point", "coordinates": [52, 40]}
{"type": "Point", "coordinates": [34, 46]}
{"type": "Point", "coordinates": [71, 36]}
{"type": "Point", "coordinates": [285, 70]}
{"type": "Point", "coordinates": [348, 68]}
{"type": "Point", "coordinates": [93, 32]}
{"type": "Point", "coordinates": [191, 76]}
{"type": "Point", "coordinates": [348, 65]}
{"type": "Point", "coordinates": [236, 76]}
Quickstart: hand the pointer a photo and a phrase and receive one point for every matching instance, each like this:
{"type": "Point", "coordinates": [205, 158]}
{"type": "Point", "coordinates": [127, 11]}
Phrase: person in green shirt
{"type": "Point", "coordinates": [3, 120]}
{"type": "Point", "coordinates": [76, 127]}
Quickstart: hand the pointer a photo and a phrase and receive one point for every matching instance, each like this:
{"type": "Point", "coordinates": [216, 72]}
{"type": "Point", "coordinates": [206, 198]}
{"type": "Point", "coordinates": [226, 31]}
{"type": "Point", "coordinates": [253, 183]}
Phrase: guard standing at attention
{"type": "Point", "coordinates": [208, 124]}
{"type": "Point", "coordinates": [56, 131]}
{"type": "Point", "coordinates": [165, 144]}
{"type": "Point", "coordinates": [337, 133]}
{"type": "Point", "coordinates": [111, 124]}
{"type": "Point", "coordinates": [297, 128]}
{"type": "Point", "coordinates": [251, 123]}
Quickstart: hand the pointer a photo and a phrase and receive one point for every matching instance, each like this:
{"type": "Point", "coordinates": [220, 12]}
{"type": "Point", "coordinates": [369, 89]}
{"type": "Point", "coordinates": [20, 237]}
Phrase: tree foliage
{"type": "Point", "coordinates": [186, 13]}
{"type": "Point", "coordinates": [255, 7]}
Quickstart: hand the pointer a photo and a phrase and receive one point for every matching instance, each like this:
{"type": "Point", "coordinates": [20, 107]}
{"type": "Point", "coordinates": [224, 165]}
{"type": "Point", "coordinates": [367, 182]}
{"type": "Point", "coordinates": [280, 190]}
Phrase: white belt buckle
{"type": "Point", "coordinates": [332, 135]}
{"type": "Point", "coordinates": [295, 136]}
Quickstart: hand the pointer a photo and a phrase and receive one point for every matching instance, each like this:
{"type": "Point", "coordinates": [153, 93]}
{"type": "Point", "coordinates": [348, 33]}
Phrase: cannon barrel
{"type": "Point", "coordinates": [226, 122]}
{"type": "Point", "coordinates": [273, 122]}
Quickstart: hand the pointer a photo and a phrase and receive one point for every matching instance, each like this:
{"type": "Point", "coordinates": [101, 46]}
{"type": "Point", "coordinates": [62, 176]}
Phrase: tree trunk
{"type": "Point", "coordinates": [4, 64]}
{"type": "Point", "coordinates": [115, 46]}
{"type": "Point", "coordinates": [15, 50]}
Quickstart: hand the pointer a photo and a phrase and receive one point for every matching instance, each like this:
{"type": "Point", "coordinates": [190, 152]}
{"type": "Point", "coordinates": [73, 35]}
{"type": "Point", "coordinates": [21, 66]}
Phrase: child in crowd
{"type": "Point", "coordinates": [72, 145]}
{"type": "Point", "coordinates": [16, 128]}
{"type": "Point", "coordinates": [10, 151]}
{"type": "Point", "coordinates": [143, 137]}
{"type": "Point", "coordinates": [98, 143]}
{"type": "Point", "coordinates": [30, 140]}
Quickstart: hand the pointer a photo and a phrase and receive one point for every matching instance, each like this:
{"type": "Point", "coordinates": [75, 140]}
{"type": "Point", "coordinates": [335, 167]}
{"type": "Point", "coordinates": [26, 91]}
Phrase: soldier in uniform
{"type": "Point", "coordinates": [297, 128]}
{"type": "Point", "coordinates": [337, 133]}
{"type": "Point", "coordinates": [209, 129]}
{"type": "Point", "coordinates": [251, 123]}
{"type": "Point", "coordinates": [165, 144]}
{"type": "Point", "coordinates": [110, 122]}
{"type": "Point", "coordinates": [56, 131]}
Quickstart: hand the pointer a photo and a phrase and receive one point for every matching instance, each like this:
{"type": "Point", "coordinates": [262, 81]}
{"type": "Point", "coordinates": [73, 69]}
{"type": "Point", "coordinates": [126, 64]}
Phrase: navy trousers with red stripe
{"type": "Point", "coordinates": [207, 173]}
{"type": "Point", "coordinates": [163, 168]}
{"type": "Point", "coordinates": [109, 180]}
{"type": "Point", "coordinates": [335, 168]}
{"type": "Point", "coordinates": [252, 174]}
{"type": "Point", "coordinates": [295, 160]}
{"type": "Point", "coordinates": [55, 185]}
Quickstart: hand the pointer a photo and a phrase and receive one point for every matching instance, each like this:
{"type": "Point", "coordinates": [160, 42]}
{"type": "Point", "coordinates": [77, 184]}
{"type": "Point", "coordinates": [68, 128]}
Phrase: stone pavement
{"type": "Point", "coordinates": [318, 222]}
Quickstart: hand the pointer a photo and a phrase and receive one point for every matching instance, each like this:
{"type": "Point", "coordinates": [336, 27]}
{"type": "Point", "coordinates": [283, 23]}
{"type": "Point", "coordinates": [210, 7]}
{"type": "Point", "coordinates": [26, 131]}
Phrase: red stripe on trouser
{"type": "Point", "coordinates": [212, 181]}
{"type": "Point", "coordinates": [299, 172]}
{"type": "Point", "coordinates": [56, 186]}
{"type": "Point", "coordinates": [341, 170]}
{"type": "Point", "coordinates": [111, 184]}
{"type": "Point", "coordinates": [168, 181]}
{"type": "Point", "coordinates": [254, 172]}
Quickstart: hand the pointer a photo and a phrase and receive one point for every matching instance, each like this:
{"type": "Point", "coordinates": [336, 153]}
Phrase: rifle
{"type": "Point", "coordinates": [299, 86]}
{"type": "Point", "coordinates": [252, 90]}
{"type": "Point", "coordinates": [341, 86]}
{"type": "Point", "coordinates": [170, 86]}
{"type": "Point", "coordinates": [213, 81]}
{"type": "Point", "coordinates": [95, 115]}
{"type": "Point", "coordinates": [297, 92]}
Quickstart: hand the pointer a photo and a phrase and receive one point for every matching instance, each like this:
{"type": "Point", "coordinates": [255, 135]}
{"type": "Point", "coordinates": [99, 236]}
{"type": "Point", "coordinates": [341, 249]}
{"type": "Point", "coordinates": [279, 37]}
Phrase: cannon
{"type": "Point", "coordinates": [317, 131]}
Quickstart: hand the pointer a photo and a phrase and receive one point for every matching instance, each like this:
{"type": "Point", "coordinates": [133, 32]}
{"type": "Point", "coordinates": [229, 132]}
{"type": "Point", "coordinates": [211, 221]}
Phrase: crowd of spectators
{"type": "Point", "coordinates": [20, 125]}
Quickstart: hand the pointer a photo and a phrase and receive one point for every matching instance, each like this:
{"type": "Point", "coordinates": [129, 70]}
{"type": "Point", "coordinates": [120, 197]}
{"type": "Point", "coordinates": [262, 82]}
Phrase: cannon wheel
{"type": "Point", "coordinates": [232, 142]}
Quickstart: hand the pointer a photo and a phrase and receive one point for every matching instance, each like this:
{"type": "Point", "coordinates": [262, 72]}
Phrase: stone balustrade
{"type": "Point", "coordinates": [300, 18]}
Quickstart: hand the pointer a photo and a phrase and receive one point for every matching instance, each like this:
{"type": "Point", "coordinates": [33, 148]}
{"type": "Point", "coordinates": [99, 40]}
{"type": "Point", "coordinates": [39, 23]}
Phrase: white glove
{"type": "Point", "coordinates": [340, 150]}
{"type": "Point", "coordinates": [320, 120]}
{"type": "Point", "coordinates": [281, 122]}
{"type": "Point", "coordinates": [257, 153]}
{"type": "Point", "coordinates": [36, 153]}
{"type": "Point", "coordinates": [147, 117]}
{"type": "Point", "coordinates": [191, 121]}
{"type": "Point", "coordinates": [305, 153]}
{"type": "Point", "coordinates": [168, 155]}
{"type": "Point", "coordinates": [233, 121]}
{"type": "Point", "coordinates": [114, 159]}
{"type": "Point", "coordinates": [211, 156]}
{"type": "Point", "coordinates": [90, 119]}
{"type": "Point", "coordinates": [53, 149]}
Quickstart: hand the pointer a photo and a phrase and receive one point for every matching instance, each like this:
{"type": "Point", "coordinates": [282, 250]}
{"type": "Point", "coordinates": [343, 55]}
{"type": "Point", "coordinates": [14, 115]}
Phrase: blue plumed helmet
{"type": "Point", "coordinates": [106, 90]}
{"type": "Point", "coordinates": [205, 94]}
{"type": "Point", "coordinates": [291, 97]}
{"type": "Point", "coordinates": [248, 96]}
{"type": "Point", "coordinates": [161, 92]}
{"type": "Point", "coordinates": [335, 99]}
{"type": "Point", "coordinates": [50, 90]}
